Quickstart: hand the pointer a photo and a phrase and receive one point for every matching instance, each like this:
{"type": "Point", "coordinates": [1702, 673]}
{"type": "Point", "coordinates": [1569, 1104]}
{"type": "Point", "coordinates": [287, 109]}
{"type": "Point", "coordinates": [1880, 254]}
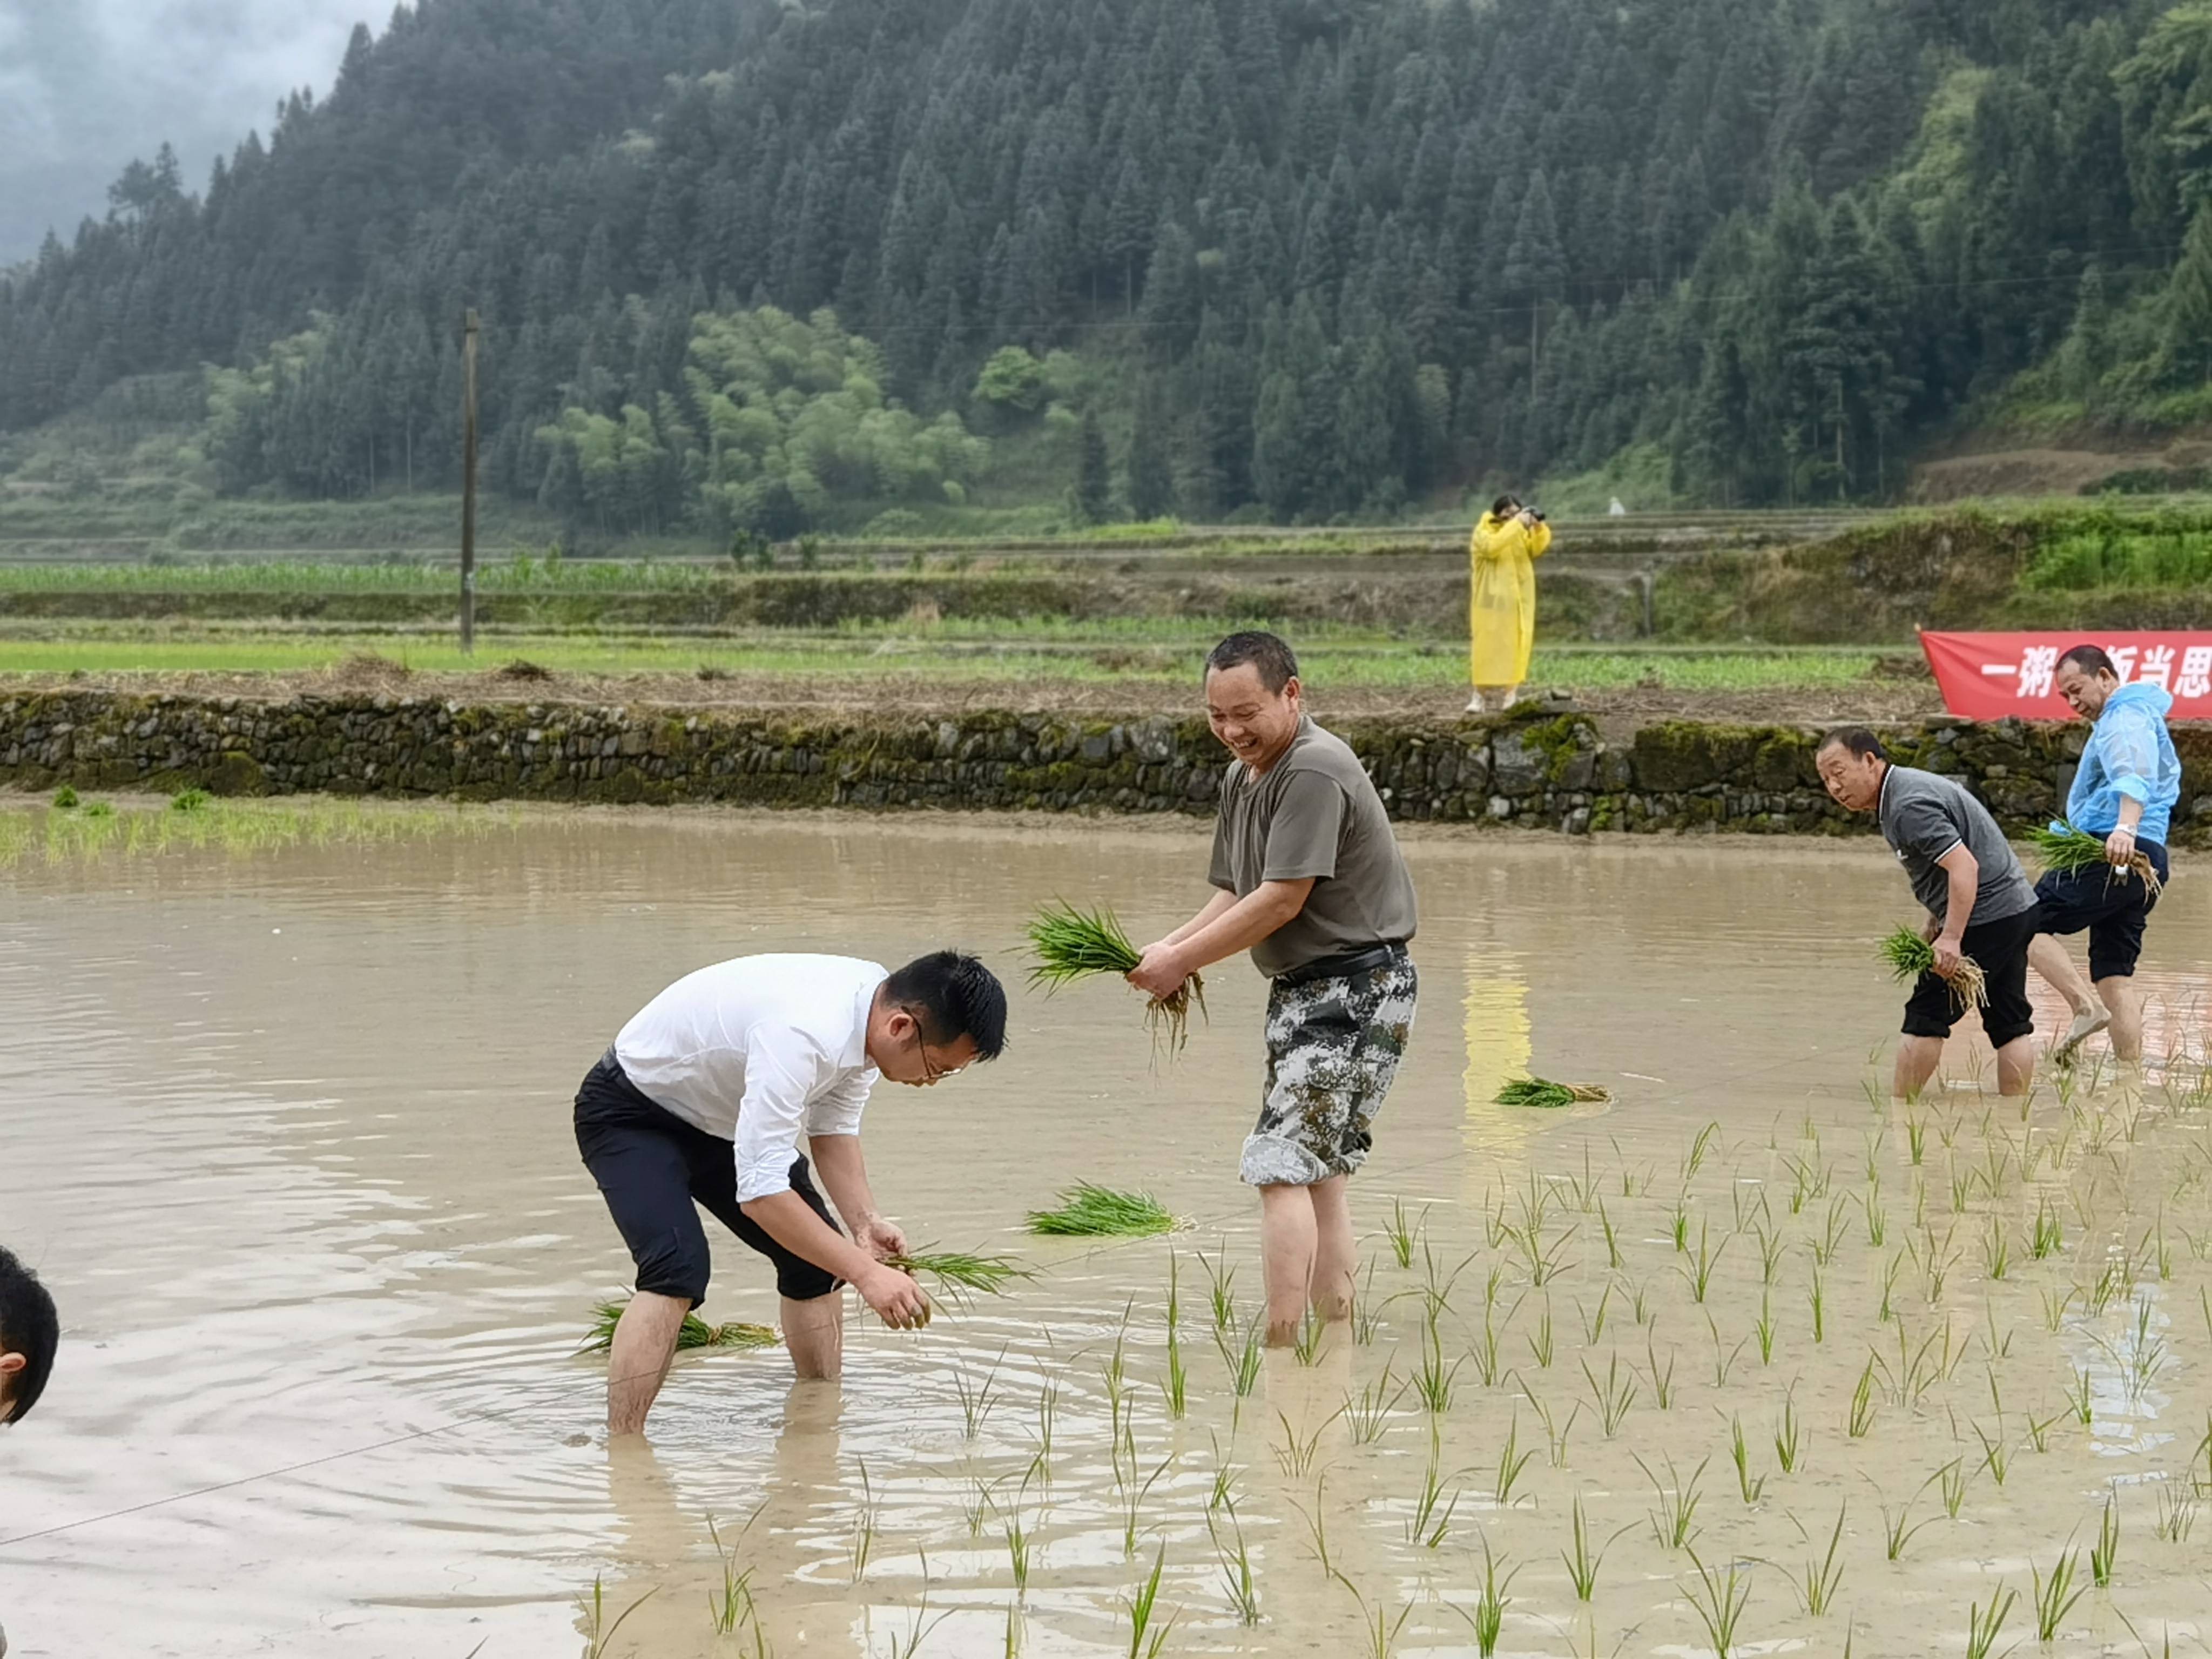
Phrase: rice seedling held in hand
{"type": "Point", "coordinates": [1547, 1096]}
{"type": "Point", "coordinates": [2063, 850]}
{"type": "Point", "coordinates": [1072, 945]}
{"type": "Point", "coordinates": [1910, 955]}
{"type": "Point", "coordinates": [1089, 1211]}
{"type": "Point", "coordinates": [695, 1333]}
{"type": "Point", "coordinates": [956, 1274]}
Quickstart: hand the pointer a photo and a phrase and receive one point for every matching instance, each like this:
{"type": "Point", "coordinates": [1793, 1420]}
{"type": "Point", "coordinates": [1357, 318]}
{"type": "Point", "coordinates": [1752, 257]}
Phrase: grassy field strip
{"type": "Point", "coordinates": [1675, 669]}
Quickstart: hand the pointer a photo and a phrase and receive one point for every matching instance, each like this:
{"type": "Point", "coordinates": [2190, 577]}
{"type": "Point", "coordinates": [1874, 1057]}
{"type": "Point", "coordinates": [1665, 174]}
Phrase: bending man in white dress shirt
{"type": "Point", "coordinates": [706, 1096]}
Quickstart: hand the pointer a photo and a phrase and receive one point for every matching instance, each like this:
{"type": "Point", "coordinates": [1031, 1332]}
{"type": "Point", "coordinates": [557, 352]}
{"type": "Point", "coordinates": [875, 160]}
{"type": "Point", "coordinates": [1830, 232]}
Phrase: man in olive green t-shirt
{"type": "Point", "coordinates": [1310, 881]}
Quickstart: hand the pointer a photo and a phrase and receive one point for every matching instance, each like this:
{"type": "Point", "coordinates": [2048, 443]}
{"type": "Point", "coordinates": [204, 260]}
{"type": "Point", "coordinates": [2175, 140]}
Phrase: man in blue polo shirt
{"type": "Point", "coordinates": [2125, 792]}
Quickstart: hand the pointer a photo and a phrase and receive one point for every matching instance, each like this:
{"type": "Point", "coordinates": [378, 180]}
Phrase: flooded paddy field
{"type": "Point", "coordinates": [1747, 1360]}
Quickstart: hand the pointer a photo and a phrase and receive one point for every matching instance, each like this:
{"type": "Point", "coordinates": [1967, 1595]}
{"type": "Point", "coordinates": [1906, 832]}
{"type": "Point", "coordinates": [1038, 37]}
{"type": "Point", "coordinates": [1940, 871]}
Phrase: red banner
{"type": "Point", "coordinates": [1988, 677]}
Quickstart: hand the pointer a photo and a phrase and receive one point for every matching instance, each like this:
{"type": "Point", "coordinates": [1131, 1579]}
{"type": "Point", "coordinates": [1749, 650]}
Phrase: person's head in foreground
{"type": "Point", "coordinates": [1851, 761]}
{"type": "Point", "coordinates": [2086, 679]}
{"type": "Point", "coordinates": [938, 1015]}
{"type": "Point", "coordinates": [30, 1330]}
{"type": "Point", "coordinates": [1253, 698]}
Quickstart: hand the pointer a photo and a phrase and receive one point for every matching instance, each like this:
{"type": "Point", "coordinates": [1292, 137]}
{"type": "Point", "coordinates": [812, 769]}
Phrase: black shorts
{"type": "Point", "coordinates": [651, 1165]}
{"type": "Point", "coordinates": [2112, 904]}
{"type": "Point", "coordinates": [2000, 951]}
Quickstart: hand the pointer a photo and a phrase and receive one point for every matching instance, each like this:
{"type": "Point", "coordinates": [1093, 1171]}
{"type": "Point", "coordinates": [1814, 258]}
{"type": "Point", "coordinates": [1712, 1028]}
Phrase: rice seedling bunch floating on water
{"type": "Point", "coordinates": [2064, 849]}
{"type": "Point", "coordinates": [1910, 955]}
{"type": "Point", "coordinates": [1072, 945]}
{"type": "Point", "coordinates": [1092, 1211]}
{"type": "Point", "coordinates": [1542, 1093]}
{"type": "Point", "coordinates": [956, 1273]}
{"type": "Point", "coordinates": [695, 1332]}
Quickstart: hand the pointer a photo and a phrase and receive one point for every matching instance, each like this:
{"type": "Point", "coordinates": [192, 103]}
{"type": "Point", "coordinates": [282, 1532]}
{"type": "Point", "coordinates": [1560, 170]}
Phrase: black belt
{"type": "Point", "coordinates": [1355, 962]}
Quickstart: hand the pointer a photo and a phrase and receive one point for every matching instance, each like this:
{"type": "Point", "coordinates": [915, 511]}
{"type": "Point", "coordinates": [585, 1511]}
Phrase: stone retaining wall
{"type": "Point", "coordinates": [1555, 771]}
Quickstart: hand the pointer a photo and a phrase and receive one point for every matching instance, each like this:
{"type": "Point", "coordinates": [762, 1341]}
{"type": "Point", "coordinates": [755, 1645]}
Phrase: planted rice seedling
{"type": "Point", "coordinates": [1583, 1565]}
{"type": "Point", "coordinates": [1614, 1396]}
{"type": "Point", "coordinates": [2104, 1553]}
{"type": "Point", "coordinates": [1237, 1577]}
{"type": "Point", "coordinates": [1430, 1519]}
{"type": "Point", "coordinates": [1788, 1440]}
{"type": "Point", "coordinates": [1298, 1452]}
{"type": "Point", "coordinates": [1088, 1211]}
{"type": "Point", "coordinates": [1404, 1231]}
{"type": "Point", "coordinates": [597, 1629]}
{"type": "Point", "coordinates": [1897, 1530]}
{"type": "Point", "coordinates": [1982, 1628]}
{"type": "Point", "coordinates": [1996, 1249]}
{"type": "Point", "coordinates": [1862, 1404]}
{"type": "Point", "coordinates": [1951, 1482]}
{"type": "Point", "coordinates": [1511, 1460]}
{"type": "Point", "coordinates": [1555, 1432]}
{"type": "Point", "coordinates": [2038, 1431]}
{"type": "Point", "coordinates": [1594, 1325]}
{"type": "Point", "coordinates": [2061, 848]}
{"type": "Point", "coordinates": [1817, 1585]}
{"type": "Point", "coordinates": [1072, 944]}
{"type": "Point", "coordinates": [1997, 1451]}
{"type": "Point", "coordinates": [1719, 1601]}
{"type": "Point", "coordinates": [1547, 1096]}
{"type": "Point", "coordinates": [1674, 1521]}
{"type": "Point", "coordinates": [1133, 1501]}
{"type": "Point", "coordinates": [1145, 1642]}
{"type": "Point", "coordinates": [1541, 1346]}
{"type": "Point", "coordinates": [1368, 1411]}
{"type": "Point", "coordinates": [1701, 1273]}
{"type": "Point", "coordinates": [977, 1398]}
{"type": "Point", "coordinates": [1771, 1246]}
{"type": "Point", "coordinates": [1816, 1297]}
{"type": "Point", "coordinates": [734, 1605]}
{"type": "Point", "coordinates": [1243, 1361]}
{"type": "Point", "coordinates": [695, 1333]}
{"type": "Point", "coordinates": [1763, 1328]}
{"type": "Point", "coordinates": [1613, 1259]}
{"type": "Point", "coordinates": [1174, 1387]}
{"type": "Point", "coordinates": [2177, 1514]}
{"type": "Point", "coordinates": [1305, 1342]}
{"type": "Point", "coordinates": [2055, 1596]}
{"type": "Point", "coordinates": [1740, 1455]}
{"type": "Point", "coordinates": [2055, 1302]}
{"type": "Point", "coordinates": [1488, 1619]}
{"type": "Point", "coordinates": [865, 1521]}
{"type": "Point", "coordinates": [1432, 1381]}
{"type": "Point", "coordinates": [1678, 1226]}
{"type": "Point", "coordinates": [1700, 1145]}
{"type": "Point", "coordinates": [1661, 1376]}
{"type": "Point", "coordinates": [2078, 1398]}
{"type": "Point", "coordinates": [1221, 1280]}
{"type": "Point", "coordinates": [1909, 956]}
{"type": "Point", "coordinates": [1838, 1223]}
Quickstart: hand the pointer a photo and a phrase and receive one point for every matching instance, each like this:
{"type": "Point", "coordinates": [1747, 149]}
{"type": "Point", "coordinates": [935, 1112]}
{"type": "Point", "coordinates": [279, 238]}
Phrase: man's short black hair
{"type": "Point", "coordinates": [953, 996]}
{"type": "Point", "coordinates": [1271, 655]}
{"type": "Point", "coordinates": [1857, 739]}
{"type": "Point", "coordinates": [30, 1327]}
{"type": "Point", "coordinates": [2091, 660]}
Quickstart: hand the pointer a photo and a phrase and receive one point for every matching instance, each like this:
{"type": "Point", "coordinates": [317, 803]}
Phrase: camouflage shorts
{"type": "Point", "coordinates": [1334, 1045]}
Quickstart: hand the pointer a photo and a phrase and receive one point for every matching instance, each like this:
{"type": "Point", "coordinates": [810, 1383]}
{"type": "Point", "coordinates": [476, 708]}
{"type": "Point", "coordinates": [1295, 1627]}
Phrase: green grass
{"type": "Point", "coordinates": [98, 830]}
{"type": "Point", "coordinates": [965, 653]}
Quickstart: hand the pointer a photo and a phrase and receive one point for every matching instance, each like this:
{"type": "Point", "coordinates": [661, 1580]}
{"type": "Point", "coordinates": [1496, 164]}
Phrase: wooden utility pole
{"type": "Point", "coordinates": [468, 484]}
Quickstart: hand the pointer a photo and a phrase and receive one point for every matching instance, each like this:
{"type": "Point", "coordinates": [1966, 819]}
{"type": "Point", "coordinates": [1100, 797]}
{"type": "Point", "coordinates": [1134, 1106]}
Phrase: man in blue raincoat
{"type": "Point", "coordinates": [2125, 791]}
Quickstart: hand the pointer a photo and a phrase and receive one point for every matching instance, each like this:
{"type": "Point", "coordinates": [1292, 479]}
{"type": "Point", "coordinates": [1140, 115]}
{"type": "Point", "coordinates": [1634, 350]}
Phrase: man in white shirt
{"type": "Point", "coordinates": [706, 1096]}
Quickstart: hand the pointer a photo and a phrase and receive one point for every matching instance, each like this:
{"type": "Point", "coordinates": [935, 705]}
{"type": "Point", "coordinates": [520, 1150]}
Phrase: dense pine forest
{"type": "Point", "coordinates": [756, 266]}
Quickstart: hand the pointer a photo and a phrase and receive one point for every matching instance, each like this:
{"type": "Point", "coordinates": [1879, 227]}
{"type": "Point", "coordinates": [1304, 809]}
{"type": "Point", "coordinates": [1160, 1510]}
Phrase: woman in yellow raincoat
{"type": "Point", "coordinates": [1502, 603]}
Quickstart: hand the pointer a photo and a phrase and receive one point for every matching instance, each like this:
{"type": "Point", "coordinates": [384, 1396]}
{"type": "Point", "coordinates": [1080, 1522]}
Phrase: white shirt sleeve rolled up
{"type": "Point", "coordinates": [783, 1068]}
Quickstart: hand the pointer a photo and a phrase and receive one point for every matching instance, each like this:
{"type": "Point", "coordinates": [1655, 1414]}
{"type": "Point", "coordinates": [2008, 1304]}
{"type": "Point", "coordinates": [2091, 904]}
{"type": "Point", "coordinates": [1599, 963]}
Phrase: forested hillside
{"type": "Point", "coordinates": [1320, 256]}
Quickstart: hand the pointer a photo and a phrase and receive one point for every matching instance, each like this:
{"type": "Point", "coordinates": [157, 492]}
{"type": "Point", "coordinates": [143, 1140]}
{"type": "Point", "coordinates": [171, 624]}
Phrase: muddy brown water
{"type": "Point", "coordinates": [288, 1135]}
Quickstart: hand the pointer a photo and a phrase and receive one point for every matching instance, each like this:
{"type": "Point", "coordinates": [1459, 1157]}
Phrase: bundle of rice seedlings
{"type": "Point", "coordinates": [1072, 944]}
{"type": "Point", "coordinates": [695, 1332]}
{"type": "Point", "coordinates": [2064, 849]}
{"type": "Point", "coordinates": [955, 1273]}
{"type": "Point", "coordinates": [1910, 955]}
{"type": "Point", "coordinates": [1542, 1093]}
{"type": "Point", "coordinates": [1089, 1212]}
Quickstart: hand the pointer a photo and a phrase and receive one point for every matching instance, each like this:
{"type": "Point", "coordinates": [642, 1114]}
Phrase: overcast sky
{"type": "Point", "coordinates": [85, 85]}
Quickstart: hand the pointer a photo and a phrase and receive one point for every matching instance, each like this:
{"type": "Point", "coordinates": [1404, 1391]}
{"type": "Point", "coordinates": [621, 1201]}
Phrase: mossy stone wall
{"type": "Point", "coordinates": [1555, 771]}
